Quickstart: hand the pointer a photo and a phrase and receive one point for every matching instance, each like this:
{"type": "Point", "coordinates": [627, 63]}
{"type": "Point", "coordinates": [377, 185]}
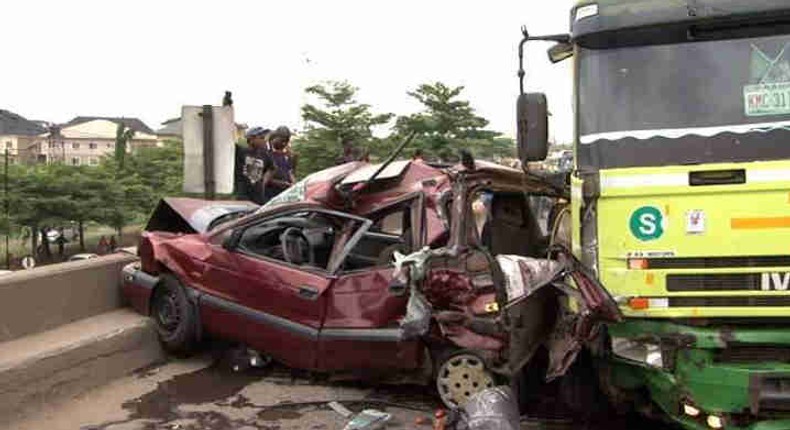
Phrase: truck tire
{"type": "Point", "coordinates": [175, 316]}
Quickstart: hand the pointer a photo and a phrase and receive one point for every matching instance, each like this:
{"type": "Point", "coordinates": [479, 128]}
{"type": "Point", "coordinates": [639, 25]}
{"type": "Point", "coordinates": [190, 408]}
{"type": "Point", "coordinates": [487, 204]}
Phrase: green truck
{"type": "Point", "coordinates": [680, 200]}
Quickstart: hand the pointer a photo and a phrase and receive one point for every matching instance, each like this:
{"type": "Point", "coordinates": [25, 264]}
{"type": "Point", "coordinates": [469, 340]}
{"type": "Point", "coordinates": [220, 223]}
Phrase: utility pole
{"type": "Point", "coordinates": [208, 152]}
{"type": "Point", "coordinates": [7, 212]}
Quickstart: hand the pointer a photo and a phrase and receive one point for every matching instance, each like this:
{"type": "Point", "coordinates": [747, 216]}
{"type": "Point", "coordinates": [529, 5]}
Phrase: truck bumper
{"type": "Point", "coordinates": [739, 376]}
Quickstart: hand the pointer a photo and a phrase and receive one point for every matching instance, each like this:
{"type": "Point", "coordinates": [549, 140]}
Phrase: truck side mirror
{"type": "Point", "coordinates": [532, 123]}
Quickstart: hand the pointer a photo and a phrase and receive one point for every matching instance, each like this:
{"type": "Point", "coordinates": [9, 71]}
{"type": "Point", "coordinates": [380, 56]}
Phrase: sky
{"type": "Point", "coordinates": [147, 58]}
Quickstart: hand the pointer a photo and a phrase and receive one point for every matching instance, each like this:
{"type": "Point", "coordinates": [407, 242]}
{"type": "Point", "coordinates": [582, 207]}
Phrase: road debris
{"type": "Point", "coordinates": [368, 419]}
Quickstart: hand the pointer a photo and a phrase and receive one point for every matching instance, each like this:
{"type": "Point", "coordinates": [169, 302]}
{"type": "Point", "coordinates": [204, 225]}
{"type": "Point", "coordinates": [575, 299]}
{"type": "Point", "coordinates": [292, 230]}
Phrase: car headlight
{"type": "Point", "coordinates": [642, 352]}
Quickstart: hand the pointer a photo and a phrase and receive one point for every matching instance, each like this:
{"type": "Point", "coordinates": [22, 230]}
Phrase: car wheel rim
{"type": "Point", "coordinates": [168, 312]}
{"type": "Point", "coordinates": [461, 377]}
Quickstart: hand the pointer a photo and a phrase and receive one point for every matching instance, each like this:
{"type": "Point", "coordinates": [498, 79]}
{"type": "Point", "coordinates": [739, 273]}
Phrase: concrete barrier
{"type": "Point", "coordinates": [33, 301]}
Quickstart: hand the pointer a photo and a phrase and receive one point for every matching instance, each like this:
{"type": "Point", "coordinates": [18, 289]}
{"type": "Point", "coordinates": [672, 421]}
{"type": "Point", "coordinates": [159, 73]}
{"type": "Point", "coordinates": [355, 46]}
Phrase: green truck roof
{"type": "Point", "coordinates": [612, 15]}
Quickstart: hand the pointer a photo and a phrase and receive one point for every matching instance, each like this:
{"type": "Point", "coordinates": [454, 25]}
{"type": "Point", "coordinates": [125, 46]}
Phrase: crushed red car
{"type": "Point", "coordinates": [404, 267]}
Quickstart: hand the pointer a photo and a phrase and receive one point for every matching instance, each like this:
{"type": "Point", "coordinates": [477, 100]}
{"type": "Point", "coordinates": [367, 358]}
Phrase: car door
{"type": "Point", "coordinates": [361, 326]}
{"type": "Point", "coordinates": [273, 305]}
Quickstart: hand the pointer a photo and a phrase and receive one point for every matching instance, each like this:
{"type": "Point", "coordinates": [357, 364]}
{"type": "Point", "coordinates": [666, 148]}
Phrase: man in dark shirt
{"type": "Point", "coordinates": [253, 167]}
{"type": "Point", "coordinates": [283, 163]}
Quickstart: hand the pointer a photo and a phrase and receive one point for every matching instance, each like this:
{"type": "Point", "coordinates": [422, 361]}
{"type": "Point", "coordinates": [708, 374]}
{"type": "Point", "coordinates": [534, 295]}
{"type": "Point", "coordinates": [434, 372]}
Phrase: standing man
{"type": "Point", "coordinates": [253, 167]}
{"type": "Point", "coordinates": [283, 161]}
{"type": "Point", "coordinates": [350, 152]}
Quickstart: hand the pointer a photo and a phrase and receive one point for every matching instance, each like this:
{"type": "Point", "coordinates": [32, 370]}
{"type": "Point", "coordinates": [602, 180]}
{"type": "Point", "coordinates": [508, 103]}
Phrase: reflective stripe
{"type": "Point", "coordinates": [653, 179]}
{"type": "Point", "coordinates": [674, 133]}
{"type": "Point", "coordinates": [682, 179]}
{"type": "Point", "coordinates": [658, 303]}
{"type": "Point", "coordinates": [759, 223]}
{"type": "Point", "coordinates": [773, 175]}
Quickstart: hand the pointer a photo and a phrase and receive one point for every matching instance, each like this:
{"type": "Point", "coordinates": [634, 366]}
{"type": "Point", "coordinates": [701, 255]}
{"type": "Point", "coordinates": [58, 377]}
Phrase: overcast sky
{"type": "Point", "coordinates": [147, 58]}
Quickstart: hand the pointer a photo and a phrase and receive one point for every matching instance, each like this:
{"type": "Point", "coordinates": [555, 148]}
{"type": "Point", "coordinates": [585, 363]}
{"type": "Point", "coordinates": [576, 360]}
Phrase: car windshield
{"type": "Point", "coordinates": [697, 102]}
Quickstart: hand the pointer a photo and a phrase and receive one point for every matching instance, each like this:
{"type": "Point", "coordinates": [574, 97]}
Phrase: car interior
{"type": "Point", "coordinates": [511, 223]}
{"type": "Point", "coordinates": [310, 238]}
{"type": "Point", "coordinates": [390, 232]}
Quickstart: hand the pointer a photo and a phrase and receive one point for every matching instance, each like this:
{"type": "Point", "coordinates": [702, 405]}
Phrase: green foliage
{"type": "Point", "coordinates": [109, 194]}
{"type": "Point", "coordinates": [338, 116]}
{"type": "Point", "coordinates": [448, 124]}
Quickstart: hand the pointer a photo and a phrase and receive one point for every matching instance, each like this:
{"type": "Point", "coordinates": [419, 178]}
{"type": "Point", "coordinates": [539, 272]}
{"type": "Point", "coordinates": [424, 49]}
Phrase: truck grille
{"type": "Point", "coordinates": [718, 282]}
{"type": "Point", "coordinates": [753, 354]}
{"type": "Point", "coordinates": [719, 262]}
{"type": "Point", "coordinates": [772, 394]}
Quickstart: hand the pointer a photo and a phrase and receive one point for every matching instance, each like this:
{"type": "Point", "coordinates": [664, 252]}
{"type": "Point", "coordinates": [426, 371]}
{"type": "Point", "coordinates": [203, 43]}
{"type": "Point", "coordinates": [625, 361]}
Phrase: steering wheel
{"type": "Point", "coordinates": [295, 246]}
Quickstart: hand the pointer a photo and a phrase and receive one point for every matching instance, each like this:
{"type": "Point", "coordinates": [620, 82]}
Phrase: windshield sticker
{"type": "Point", "coordinates": [767, 69]}
{"type": "Point", "coordinates": [647, 223]}
{"type": "Point", "coordinates": [769, 93]}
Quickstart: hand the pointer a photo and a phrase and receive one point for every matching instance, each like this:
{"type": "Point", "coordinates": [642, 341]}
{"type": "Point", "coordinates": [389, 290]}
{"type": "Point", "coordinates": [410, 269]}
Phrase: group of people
{"type": "Point", "coordinates": [266, 167]}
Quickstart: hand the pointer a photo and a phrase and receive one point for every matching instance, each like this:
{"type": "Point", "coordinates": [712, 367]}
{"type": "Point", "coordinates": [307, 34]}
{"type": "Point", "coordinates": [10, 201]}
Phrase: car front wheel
{"type": "Point", "coordinates": [174, 316]}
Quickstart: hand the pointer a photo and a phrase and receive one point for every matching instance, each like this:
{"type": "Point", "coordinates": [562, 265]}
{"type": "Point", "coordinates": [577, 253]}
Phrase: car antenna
{"type": "Point", "coordinates": [362, 185]}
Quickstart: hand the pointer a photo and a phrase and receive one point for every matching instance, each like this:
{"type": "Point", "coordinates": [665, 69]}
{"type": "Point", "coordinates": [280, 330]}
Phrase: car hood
{"type": "Point", "coordinates": [188, 215]}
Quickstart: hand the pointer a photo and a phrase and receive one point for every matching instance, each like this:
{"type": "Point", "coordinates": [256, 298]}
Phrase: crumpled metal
{"type": "Point", "coordinates": [412, 268]}
{"type": "Point", "coordinates": [525, 275]}
{"type": "Point", "coordinates": [491, 409]}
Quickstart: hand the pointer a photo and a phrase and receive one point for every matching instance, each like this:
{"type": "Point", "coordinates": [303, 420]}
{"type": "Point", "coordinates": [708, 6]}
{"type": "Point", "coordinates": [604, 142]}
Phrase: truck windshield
{"type": "Point", "coordinates": [689, 103]}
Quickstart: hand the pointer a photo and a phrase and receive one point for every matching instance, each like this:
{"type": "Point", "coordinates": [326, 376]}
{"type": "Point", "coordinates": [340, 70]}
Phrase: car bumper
{"type": "Point", "coordinates": [137, 287]}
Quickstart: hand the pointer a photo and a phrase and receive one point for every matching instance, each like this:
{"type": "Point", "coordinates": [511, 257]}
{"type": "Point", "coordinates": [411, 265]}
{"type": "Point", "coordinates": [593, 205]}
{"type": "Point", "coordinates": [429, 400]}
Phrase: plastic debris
{"type": "Point", "coordinates": [368, 419]}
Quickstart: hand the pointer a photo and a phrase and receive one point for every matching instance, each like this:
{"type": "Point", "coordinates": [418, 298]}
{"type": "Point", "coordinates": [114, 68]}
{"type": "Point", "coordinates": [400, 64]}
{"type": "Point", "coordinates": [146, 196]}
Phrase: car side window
{"type": "Point", "coordinates": [301, 239]}
{"type": "Point", "coordinates": [390, 232]}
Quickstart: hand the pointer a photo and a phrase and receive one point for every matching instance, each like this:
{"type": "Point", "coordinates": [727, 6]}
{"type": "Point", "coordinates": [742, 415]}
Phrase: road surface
{"type": "Point", "coordinates": [205, 393]}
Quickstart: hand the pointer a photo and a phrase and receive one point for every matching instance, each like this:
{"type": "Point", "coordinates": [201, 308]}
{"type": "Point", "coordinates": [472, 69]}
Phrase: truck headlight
{"type": "Point", "coordinates": [642, 352]}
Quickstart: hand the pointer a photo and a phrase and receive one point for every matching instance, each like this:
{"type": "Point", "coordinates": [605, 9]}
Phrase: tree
{"type": "Point", "coordinates": [448, 124]}
{"type": "Point", "coordinates": [337, 117]}
{"type": "Point", "coordinates": [159, 168]}
{"type": "Point", "coordinates": [123, 135]}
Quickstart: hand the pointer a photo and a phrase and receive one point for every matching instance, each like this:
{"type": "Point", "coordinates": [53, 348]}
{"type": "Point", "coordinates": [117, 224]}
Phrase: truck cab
{"type": "Point", "coordinates": [681, 201]}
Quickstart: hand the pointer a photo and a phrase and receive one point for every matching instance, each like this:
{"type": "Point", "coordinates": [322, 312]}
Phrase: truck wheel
{"type": "Point", "coordinates": [174, 316]}
{"type": "Point", "coordinates": [460, 376]}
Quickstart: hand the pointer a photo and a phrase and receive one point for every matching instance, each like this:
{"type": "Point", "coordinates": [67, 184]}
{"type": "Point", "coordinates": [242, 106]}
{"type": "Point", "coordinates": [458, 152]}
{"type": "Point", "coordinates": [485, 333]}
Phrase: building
{"type": "Point", "coordinates": [84, 140]}
{"type": "Point", "coordinates": [171, 130]}
{"type": "Point", "coordinates": [18, 135]}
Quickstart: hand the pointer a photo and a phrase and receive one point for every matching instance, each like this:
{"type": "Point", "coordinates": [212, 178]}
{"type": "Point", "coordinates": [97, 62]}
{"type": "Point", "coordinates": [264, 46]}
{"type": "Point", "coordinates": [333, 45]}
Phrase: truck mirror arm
{"type": "Point", "coordinates": [559, 38]}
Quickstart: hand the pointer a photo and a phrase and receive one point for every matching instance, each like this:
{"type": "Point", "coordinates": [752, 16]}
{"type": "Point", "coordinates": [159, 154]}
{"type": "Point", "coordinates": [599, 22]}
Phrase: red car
{"type": "Point", "coordinates": [369, 268]}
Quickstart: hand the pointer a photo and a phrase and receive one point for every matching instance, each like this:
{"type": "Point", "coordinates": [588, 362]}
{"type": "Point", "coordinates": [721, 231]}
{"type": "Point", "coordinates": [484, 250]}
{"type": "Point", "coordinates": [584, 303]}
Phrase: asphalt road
{"type": "Point", "coordinates": [206, 393]}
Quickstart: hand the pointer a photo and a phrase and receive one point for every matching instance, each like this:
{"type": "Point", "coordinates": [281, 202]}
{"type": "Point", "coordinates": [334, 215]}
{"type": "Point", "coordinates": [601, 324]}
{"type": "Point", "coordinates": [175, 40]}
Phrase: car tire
{"type": "Point", "coordinates": [175, 316]}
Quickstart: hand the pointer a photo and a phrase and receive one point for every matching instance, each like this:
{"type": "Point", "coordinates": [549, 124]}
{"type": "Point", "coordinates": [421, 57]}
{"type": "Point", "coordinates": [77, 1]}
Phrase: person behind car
{"type": "Point", "coordinates": [350, 153]}
{"type": "Point", "coordinates": [282, 159]}
{"type": "Point", "coordinates": [253, 167]}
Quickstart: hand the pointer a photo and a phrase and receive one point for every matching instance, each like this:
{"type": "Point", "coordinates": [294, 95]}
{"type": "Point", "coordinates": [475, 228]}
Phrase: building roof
{"type": "Point", "coordinates": [133, 123]}
{"type": "Point", "coordinates": [11, 123]}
